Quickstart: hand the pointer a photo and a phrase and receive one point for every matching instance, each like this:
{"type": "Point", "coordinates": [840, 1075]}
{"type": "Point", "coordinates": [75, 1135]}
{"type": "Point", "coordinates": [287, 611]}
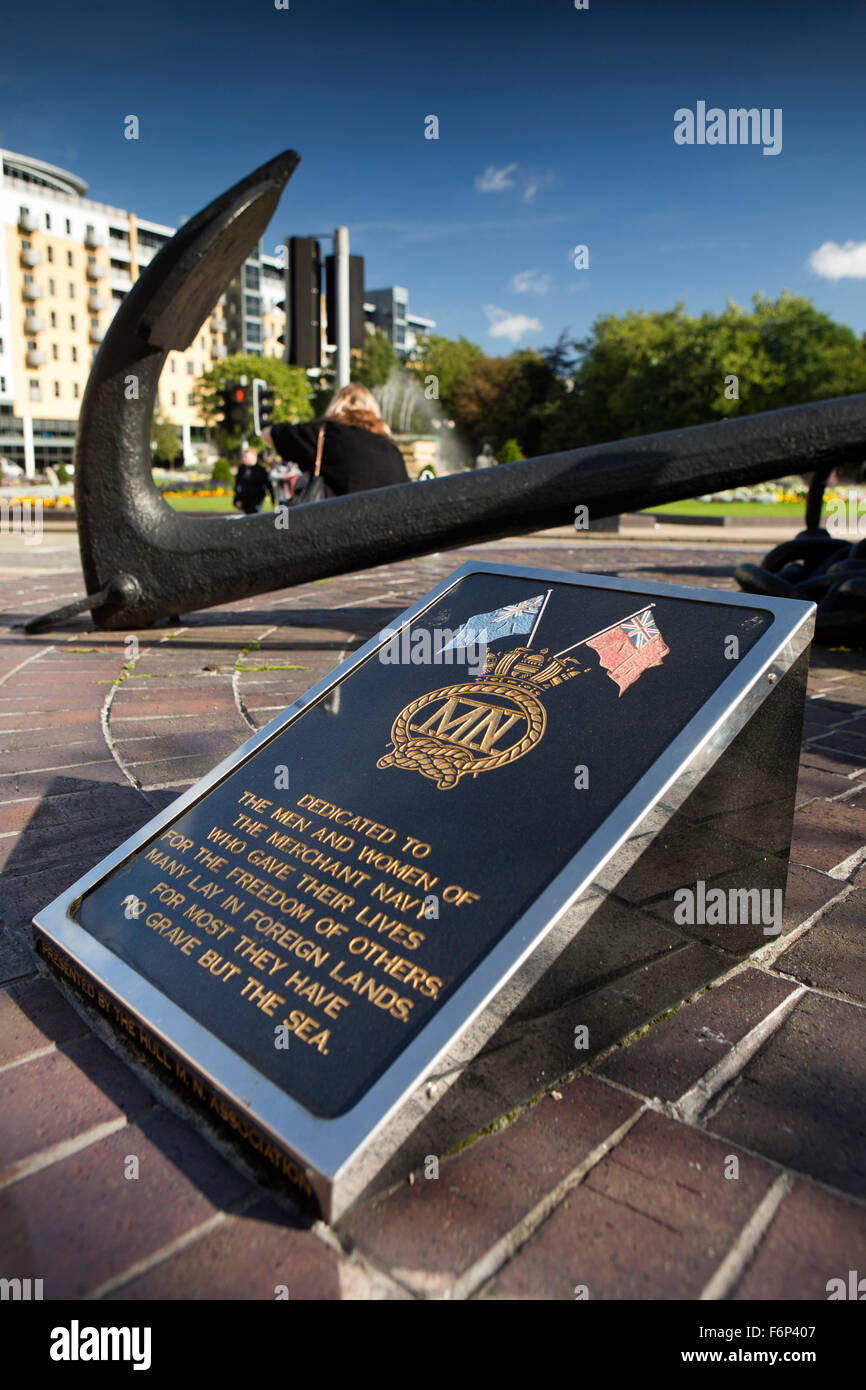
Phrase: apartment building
{"type": "Point", "coordinates": [66, 262]}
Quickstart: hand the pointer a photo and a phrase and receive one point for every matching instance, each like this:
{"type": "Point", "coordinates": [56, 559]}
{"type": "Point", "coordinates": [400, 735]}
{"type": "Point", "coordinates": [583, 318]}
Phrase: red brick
{"type": "Point", "coordinates": [80, 1222]}
{"type": "Point", "coordinates": [653, 1220]}
{"type": "Point", "coordinates": [826, 833]}
{"type": "Point", "coordinates": [431, 1232]}
{"type": "Point", "coordinates": [670, 1058]}
{"type": "Point", "coordinates": [21, 1005]}
{"type": "Point", "coordinates": [812, 1239]}
{"type": "Point", "coordinates": [62, 1094]}
{"type": "Point", "coordinates": [250, 1257]}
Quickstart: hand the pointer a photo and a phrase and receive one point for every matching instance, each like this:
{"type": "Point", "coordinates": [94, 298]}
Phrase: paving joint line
{"type": "Point", "coordinates": [745, 1247]}
{"type": "Point", "coordinates": [693, 1102]}
{"type": "Point", "coordinates": [173, 1247]}
{"type": "Point", "coordinates": [489, 1265]}
{"type": "Point", "coordinates": [55, 1153]}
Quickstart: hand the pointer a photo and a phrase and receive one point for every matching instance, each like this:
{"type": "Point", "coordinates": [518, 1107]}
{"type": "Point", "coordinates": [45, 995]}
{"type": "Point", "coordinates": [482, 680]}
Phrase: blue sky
{"type": "Point", "coordinates": [556, 128]}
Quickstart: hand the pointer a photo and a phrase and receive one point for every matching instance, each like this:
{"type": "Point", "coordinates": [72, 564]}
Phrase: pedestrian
{"type": "Point", "coordinates": [352, 443]}
{"type": "Point", "coordinates": [252, 484]}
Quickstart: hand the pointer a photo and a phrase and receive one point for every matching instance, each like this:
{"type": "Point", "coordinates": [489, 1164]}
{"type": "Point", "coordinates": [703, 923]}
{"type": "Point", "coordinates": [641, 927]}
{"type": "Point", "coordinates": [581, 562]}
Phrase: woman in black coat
{"type": "Point", "coordinates": [357, 450]}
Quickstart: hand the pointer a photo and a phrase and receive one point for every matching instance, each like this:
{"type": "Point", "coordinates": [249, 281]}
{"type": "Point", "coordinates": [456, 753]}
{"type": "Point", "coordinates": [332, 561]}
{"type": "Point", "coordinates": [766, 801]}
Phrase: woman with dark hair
{"type": "Point", "coordinates": [352, 442]}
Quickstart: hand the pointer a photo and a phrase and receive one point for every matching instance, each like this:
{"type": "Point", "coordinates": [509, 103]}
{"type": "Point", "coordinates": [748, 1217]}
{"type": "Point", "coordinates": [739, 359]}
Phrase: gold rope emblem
{"type": "Point", "coordinates": [478, 725]}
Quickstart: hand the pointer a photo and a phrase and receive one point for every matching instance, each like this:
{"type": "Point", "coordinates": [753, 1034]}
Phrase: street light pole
{"type": "Point", "coordinates": [341, 255]}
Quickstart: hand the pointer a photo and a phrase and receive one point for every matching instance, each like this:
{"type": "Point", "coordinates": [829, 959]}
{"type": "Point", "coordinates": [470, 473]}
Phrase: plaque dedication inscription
{"type": "Point", "coordinates": [316, 940]}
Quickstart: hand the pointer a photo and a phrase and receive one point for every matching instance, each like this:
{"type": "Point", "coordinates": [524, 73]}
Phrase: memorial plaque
{"type": "Point", "coordinates": [358, 899]}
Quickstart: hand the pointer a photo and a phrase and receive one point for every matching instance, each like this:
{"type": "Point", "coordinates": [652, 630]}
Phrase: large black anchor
{"type": "Point", "coordinates": [817, 566]}
{"type": "Point", "coordinates": [144, 562]}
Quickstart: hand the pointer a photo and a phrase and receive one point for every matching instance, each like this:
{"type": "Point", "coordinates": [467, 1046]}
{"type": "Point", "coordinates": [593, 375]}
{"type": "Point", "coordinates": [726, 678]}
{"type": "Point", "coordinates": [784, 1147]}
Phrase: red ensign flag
{"type": "Point", "coordinates": [628, 650]}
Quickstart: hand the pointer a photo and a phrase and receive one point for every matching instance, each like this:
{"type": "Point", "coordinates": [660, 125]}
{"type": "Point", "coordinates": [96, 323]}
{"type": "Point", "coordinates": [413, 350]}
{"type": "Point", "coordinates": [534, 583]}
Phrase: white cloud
{"type": "Point", "coordinates": [511, 326]}
{"type": "Point", "coordinates": [536, 181]}
{"type": "Point", "coordinates": [529, 282]}
{"type": "Point", "coordinates": [837, 262]}
{"type": "Point", "coordinates": [494, 180]}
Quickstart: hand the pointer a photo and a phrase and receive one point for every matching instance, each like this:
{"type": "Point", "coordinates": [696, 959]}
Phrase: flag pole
{"type": "Point", "coordinates": [609, 627]}
{"type": "Point", "coordinates": [538, 619]}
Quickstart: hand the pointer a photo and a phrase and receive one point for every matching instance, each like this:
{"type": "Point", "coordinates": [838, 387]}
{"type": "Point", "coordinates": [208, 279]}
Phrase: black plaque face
{"type": "Point", "coordinates": [317, 906]}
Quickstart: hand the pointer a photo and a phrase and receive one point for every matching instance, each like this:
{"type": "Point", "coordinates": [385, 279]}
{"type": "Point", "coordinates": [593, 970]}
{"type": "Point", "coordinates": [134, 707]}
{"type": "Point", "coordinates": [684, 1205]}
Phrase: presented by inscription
{"type": "Point", "coordinates": [341, 896]}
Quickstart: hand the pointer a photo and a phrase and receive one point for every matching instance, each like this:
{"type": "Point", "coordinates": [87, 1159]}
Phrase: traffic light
{"type": "Point", "coordinates": [357, 331]}
{"type": "Point", "coordinates": [263, 405]}
{"type": "Point", "coordinates": [303, 301]}
{"type": "Point", "coordinates": [235, 408]}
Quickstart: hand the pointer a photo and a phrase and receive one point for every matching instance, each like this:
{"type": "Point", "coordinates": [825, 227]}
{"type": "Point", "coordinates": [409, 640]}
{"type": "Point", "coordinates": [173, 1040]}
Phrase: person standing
{"type": "Point", "coordinates": [357, 451]}
{"type": "Point", "coordinates": [252, 484]}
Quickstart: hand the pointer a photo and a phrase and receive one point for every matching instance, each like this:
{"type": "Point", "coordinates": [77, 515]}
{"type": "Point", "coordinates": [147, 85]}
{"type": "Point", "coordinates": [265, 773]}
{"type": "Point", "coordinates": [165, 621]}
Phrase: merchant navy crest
{"type": "Point", "coordinates": [489, 722]}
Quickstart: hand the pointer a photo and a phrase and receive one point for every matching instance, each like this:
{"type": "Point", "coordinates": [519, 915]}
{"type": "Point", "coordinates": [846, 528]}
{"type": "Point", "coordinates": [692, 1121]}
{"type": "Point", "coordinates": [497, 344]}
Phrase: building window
{"type": "Point", "coordinates": [72, 321]}
{"type": "Point", "coordinates": [75, 354]}
{"type": "Point", "coordinates": [75, 389]}
{"type": "Point", "coordinates": [49, 253]}
{"type": "Point", "coordinates": [94, 321]}
{"type": "Point", "coordinates": [34, 393]}
{"type": "Point", "coordinates": [173, 398]}
{"type": "Point", "coordinates": [26, 244]}
{"type": "Point", "coordinates": [69, 258]}
{"type": "Point", "coordinates": [28, 278]}
{"type": "Point", "coordinates": [31, 346]}
{"type": "Point", "coordinates": [171, 365]}
{"type": "Point", "coordinates": [52, 319]}
{"type": "Point", "coordinates": [57, 388]}
{"type": "Point", "coordinates": [23, 212]}
{"type": "Point", "coordinates": [68, 227]}
{"type": "Point", "coordinates": [50, 286]}
{"type": "Point", "coordinates": [190, 400]}
{"type": "Point", "coordinates": [91, 260]}
{"type": "Point", "coordinates": [54, 353]}
{"type": "Point", "coordinates": [71, 290]}
{"type": "Point", "coordinates": [189, 369]}
{"type": "Point", "coordinates": [2, 383]}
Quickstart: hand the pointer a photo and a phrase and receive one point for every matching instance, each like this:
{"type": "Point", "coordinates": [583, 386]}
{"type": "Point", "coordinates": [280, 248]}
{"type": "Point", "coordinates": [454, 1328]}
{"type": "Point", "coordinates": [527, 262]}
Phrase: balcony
{"type": "Point", "coordinates": [219, 350]}
{"type": "Point", "coordinates": [93, 239]}
{"type": "Point", "coordinates": [33, 291]}
{"type": "Point", "coordinates": [34, 324]}
{"type": "Point", "coordinates": [31, 258]}
{"type": "Point", "coordinates": [96, 334]}
{"type": "Point", "coordinates": [35, 357]}
{"type": "Point", "coordinates": [219, 325]}
{"type": "Point", "coordinates": [96, 302]}
{"type": "Point", "coordinates": [95, 271]}
{"type": "Point", "coordinates": [28, 222]}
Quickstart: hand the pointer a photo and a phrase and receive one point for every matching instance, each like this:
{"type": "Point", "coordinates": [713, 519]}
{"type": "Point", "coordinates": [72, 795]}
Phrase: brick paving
{"type": "Point", "coordinates": [719, 1151]}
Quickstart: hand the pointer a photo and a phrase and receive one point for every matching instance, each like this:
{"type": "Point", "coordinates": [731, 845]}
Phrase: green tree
{"type": "Point", "coordinates": [451, 362]}
{"type": "Point", "coordinates": [289, 385]}
{"type": "Point", "coordinates": [511, 452]}
{"type": "Point", "coordinates": [644, 372]}
{"type": "Point", "coordinates": [378, 360]}
{"type": "Point", "coordinates": [166, 440]}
